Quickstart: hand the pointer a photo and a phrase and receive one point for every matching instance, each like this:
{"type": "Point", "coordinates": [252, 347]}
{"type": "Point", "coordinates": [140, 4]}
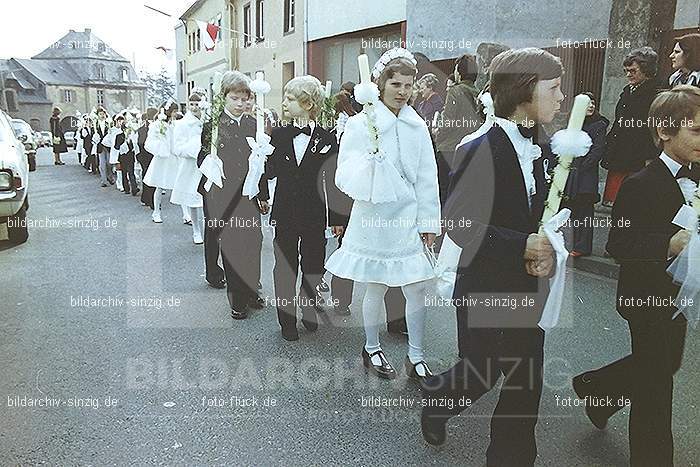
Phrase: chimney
{"type": "Point", "coordinates": [88, 30]}
{"type": "Point", "coordinates": [71, 30]}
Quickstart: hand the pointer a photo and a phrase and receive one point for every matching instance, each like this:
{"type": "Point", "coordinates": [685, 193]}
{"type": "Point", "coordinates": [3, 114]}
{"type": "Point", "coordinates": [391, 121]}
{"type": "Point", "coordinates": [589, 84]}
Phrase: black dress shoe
{"type": "Point", "coordinates": [323, 287]}
{"type": "Point", "coordinates": [290, 334]}
{"type": "Point", "coordinates": [309, 319]}
{"type": "Point", "coordinates": [433, 427]}
{"type": "Point", "coordinates": [384, 370]}
{"type": "Point", "coordinates": [236, 314]}
{"type": "Point", "coordinates": [135, 192]}
{"type": "Point", "coordinates": [258, 286]}
{"type": "Point", "coordinates": [585, 386]}
{"type": "Point", "coordinates": [342, 310]}
{"type": "Point", "coordinates": [256, 303]}
{"type": "Point", "coordinates": [411, 370]}
{"type": "Point", "coordinates": [218, 285]}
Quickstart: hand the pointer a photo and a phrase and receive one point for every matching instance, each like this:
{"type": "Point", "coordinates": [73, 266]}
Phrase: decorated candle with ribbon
{"type": "Point", "coordinates": [260, 101]}
{"type": "Point", "coordinates": [363, 63]}
{"type": "Point", "coordinates": [567, 144]}
{"type": "Point", "coordinates": [217, 103]}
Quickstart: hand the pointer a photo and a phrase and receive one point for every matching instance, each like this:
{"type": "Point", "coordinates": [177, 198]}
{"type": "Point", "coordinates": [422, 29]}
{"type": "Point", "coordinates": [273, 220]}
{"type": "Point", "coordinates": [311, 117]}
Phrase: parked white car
{"type": "Point", "coordinates": [14, 181]}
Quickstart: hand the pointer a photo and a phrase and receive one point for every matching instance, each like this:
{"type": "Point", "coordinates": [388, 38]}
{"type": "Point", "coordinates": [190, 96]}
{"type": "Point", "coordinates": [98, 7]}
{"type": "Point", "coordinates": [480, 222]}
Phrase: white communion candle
{"type": "Point", "coordinates": [363, 63]}
{"type": "Point", "coordinates": [329, 85]}
{"type": "Point", "coordinates": [578, 112]}
{"type": "Point", "coordinates": [217, 83]}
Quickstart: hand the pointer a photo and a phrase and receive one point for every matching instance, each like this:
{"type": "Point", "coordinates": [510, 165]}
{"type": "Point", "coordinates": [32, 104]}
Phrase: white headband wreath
{"type": "Point", "coordinates": [389, 55]}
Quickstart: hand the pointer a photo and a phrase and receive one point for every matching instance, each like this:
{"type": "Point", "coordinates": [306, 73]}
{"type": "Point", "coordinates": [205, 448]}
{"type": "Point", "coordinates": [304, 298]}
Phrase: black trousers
{"type": "Point", "coordinates": [645, 377]}
{"type": "Point", "coordinates": [128, 177]}
{"type": "Point", "coordinates": [581, 220]}
{"type": "Point", "coordinates": [146, 191]}
{"type": "Point", "coordinates": [444, 159]}
{"type": "Point", "coordinates": [214, 273]}
{"type": "Point", "coordinates": [515, 353]}
{"type": "Point", "coordinates": [291, 243]}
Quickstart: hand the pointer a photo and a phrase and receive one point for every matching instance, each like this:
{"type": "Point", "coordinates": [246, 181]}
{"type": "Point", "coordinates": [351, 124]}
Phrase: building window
{"type": "Point", "coordinates": [199, 40]}
{"type": "Point", "coordinates": [246, 26]}
{"type": "Point", "coordinates": [101, 47]}
{"type": "Point", "coordinates": [125, 73]}
{"type": "Point", "coordinates": [288, 15]}
{"type": "Point", "coordinates": [67, 96]}
{"type": "Point", "coordinates": [100, 71]}
{"type": "Point", "coordinates": [10, 99]}
{"type": "Point", "coordinates": [259, 20]}
{"type": "Point", "coordinates": [189, 44]}
{"type": "Point", "coordinates": [181, 74]}
{"type": "Point", "coordinates": [288, 72]}
{"type": "Point", "coordinates": [100, 97]}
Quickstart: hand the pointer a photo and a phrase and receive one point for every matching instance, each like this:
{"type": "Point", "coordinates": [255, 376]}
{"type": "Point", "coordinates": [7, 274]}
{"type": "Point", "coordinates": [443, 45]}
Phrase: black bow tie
{"type": "Point", "coordinates": [684, 172]}
{"type": "Point", "coordinates": [296, 131]}
{"type": "Point", "coordinates": [527, 132]}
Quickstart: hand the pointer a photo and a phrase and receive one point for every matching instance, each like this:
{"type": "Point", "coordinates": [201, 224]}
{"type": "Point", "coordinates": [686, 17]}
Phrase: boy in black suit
{"type": "Point", "coordinates": [496, 200]}
{"type": "Point", "coordinates": [232, 221]}
{"type": "Point", "coordinates": [644, 241]}
{"type": "Point", "coordinates": [144, 157]}
{"type": "Point", "coordinates": [303, 158]}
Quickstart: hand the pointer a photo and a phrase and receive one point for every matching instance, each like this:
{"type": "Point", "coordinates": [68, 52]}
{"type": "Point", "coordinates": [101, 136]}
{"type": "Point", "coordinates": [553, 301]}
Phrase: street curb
{"type": "Point", "coordinates": [605, 267]}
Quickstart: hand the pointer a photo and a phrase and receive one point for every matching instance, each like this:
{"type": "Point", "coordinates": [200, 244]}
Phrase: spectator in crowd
{"type": "Point", "coordinates": [629, 144]}
{"type": "Point", "coordinates": [685, 60]}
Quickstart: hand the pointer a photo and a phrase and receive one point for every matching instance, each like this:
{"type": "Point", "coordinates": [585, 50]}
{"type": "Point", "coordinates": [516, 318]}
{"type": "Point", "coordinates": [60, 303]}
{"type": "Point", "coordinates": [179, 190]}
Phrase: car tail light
{"type": "Point", "coordinates": [18, 183]}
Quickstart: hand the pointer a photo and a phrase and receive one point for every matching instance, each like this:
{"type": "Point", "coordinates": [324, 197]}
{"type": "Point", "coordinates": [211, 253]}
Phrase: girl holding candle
{"type": "Point", "coordinates": [162, 171]}
{"type": "Point", "coordinates": [387, 166]}
{"type": "Point", "coordinates": [187, 138]}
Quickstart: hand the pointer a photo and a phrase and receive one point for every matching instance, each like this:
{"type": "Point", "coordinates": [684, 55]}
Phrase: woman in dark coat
{"type": "Point", "coordinates": [59, 140]}
{"type": "Point", "coordinates": [582, 185]}
{"type": "Point", "coordinates": [629, 145]}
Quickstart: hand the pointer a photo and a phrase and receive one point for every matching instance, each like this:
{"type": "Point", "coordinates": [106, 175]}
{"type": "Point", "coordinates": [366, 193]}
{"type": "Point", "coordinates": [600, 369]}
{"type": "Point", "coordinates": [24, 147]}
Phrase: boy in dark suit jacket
{"type": "Point", "coordinates": [644, 240]}
{"type": "Point", "coordinates": [232, 221]}
{"type": "Point", "coordinates": [494, 206]}
{"type": "Point", "coordinates": [302, 160]}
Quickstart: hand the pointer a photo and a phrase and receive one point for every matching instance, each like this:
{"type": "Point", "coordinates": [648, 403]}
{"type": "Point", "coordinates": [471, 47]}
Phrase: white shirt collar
{"type": "Point", "coordinates": [511, 129]}
{"type": "Point", "coordinates": [230, 115]}
{"type": "Point", "coordinates": [672, 165]}
{"type": "Point", "coordinates": [526, 151]}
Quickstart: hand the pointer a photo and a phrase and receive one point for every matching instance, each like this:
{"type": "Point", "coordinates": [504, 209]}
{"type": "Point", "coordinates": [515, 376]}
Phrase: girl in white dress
{"type": "Point", "coordinates": [396, 210]}
{"type": "Point", "coordinates": [162, 171]}
{"type": "Point", "coordinates": [187, 139]}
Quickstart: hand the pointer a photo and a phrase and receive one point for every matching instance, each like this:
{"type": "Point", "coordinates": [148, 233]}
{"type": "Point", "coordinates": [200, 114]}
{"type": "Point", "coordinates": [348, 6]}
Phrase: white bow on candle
{"type": "Point", "coordinates": [260, 146]}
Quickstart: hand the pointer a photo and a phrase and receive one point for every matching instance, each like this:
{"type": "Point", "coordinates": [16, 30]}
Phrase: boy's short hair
{"type": "Point", "coordinates": [690, 45]}
{"type": "Point", "coordinates": [514, 75]}
{"type": "Point", "coordinates": [235, 81]}
{"type": "Point", "coordinates": [467, 68]}
{"type": "Point", "coordinates": [150, 113]}
{"type": "Point", "coordinates": [100, 109]}
{"type": "Point", "coordinates": [671, 109]}
{"type": "Point", "coordinates": [195, 96]}
{"type": "Point", "coordinates": [307, 89]}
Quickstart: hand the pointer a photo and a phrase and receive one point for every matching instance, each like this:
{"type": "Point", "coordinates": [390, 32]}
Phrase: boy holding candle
{"type": "Point", "coordinates": [303, 164]}
{"type": "Point", "coordinates": [232, 221]}
{"type": "Point", "coordinates": [645, 238]}
{"type": "Point", "coordinates": [496, 200]}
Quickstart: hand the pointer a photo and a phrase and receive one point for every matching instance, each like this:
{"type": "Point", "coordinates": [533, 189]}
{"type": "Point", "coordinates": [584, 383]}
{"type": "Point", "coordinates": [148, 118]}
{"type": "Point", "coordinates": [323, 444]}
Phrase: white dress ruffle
{"type": "Point", "coordinates": [163, 169]}
{"type": "Point", "coordinates": [187, 142]}
{"type": "Point", "coordinates": [395, 199]}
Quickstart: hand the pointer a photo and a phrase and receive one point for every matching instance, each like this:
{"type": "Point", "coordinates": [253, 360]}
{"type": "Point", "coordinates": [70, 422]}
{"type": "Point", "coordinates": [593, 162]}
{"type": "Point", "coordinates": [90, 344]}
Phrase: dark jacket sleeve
{"type": "Point", "coordinates": [206, 143]}
{"type": "Point", "coordinates": [631, 237]}
{"type": "Point", "coordinates": [597, 151]}
{"type": "Point", "coordinates": [469, 213]}
{"type": "Point", "coordinates": [339, 204]}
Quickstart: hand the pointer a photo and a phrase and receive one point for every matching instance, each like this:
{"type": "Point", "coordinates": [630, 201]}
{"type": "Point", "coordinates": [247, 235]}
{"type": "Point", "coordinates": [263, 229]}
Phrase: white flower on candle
{"type": "Point", "coordinates": [689, 189]}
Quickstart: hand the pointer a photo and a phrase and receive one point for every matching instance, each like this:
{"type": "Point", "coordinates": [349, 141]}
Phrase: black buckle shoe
{"type": "Point", "coordinates": [585, 386]}
{"type": "Point", "coordinates": [290, 334]}
{"type": "Point", "coordinates": [384, 370]}
{"type": "Point", "coordinates": [411, 370]}
{"type": "Point", "coordinates": [256, 303]}
{"type": "Point", "coordinates": [218, 285]}
{"type": "Point", "coordinates": [309, 319]}
{"type": "Point", "coordinates": [235, 314]}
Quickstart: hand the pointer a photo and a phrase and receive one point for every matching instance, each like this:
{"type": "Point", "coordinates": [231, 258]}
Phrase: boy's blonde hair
{"type": "Point", "coordinates": [671, 109]}
{"type": "Point", "coordinates": [307, 89]}
{"type": "Point", "coordinates": [235, 81]}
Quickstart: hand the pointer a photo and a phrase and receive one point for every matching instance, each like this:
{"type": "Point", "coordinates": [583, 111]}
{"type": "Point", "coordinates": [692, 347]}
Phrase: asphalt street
{"type": "Point", "coordinates": [154, 371]}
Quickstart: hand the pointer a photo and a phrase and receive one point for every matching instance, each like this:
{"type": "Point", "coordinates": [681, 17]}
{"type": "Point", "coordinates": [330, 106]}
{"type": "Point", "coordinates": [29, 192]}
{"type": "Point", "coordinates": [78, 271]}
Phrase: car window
{"type": "Point", "coordinates": [21, 128]}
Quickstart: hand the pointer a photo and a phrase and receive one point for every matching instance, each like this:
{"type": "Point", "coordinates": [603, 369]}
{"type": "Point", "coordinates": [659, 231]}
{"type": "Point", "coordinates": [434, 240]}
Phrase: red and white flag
{"type": "Point", "coordinates": [209, 33]}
